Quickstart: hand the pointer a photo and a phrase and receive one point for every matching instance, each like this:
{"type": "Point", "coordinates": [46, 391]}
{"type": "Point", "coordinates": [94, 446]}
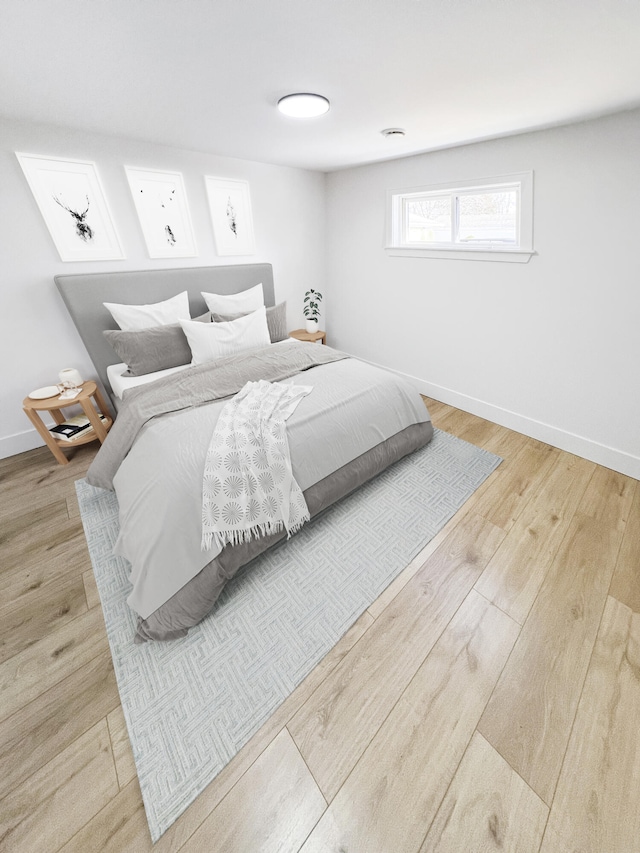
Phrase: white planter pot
{"type": "Point", "coordinates": [311, 326]}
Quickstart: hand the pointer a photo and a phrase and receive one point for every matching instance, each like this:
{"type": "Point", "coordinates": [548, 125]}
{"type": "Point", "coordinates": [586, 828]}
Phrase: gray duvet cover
{"type": "Point", "coordinates": [357, 420]}
{"type": "Point", "coordinates": [196, 598]}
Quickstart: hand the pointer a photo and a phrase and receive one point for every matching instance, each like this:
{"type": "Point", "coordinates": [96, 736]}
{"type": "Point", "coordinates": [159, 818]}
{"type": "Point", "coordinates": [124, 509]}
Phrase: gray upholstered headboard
{"type": "Point", "coordinates": [84, 294]}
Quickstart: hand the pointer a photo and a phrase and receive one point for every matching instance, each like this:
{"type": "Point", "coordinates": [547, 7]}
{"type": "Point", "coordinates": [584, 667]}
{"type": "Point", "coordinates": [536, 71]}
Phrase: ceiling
{"type": "Point", "coordinates": [206, 74]}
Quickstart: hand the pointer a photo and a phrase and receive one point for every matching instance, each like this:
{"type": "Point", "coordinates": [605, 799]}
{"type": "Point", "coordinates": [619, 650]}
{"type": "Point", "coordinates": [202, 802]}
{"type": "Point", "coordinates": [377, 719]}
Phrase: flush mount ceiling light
{"type": "Point", "coordinates": [393, 132]}
{"type": "Point", "coordinates": [303, 105]}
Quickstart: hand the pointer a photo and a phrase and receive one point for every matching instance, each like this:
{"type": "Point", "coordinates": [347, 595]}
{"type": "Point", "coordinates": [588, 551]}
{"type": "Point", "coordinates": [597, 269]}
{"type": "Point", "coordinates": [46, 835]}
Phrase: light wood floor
{"type": "Point", "coordinates": [488, 700]}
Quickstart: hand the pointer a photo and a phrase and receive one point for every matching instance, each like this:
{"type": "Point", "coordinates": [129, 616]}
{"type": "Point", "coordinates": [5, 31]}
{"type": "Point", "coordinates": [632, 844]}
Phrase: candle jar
{"type": "Point", "coordinates": [70, 382]}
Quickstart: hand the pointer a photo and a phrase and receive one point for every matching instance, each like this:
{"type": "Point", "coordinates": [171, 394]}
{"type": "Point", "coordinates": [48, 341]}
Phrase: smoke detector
{"type": "Point", "coordinates": [393, 132]}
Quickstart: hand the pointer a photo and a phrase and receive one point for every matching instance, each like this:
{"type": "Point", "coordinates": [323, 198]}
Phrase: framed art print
{"type": "Point", "coordinates": [231, 218]}
{"type": "Point", "coordinates": [73, 206]}
{"type": "Point", "coordinates": [161, 204]}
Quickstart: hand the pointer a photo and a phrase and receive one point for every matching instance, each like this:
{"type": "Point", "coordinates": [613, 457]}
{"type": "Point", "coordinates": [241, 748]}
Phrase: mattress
{"type": "Point", "coordinates": [120, 384]}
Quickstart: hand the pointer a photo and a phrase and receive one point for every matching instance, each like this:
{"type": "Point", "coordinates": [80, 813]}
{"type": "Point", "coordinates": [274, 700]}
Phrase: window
{"type": "Point", "coordinates": [489, 219]}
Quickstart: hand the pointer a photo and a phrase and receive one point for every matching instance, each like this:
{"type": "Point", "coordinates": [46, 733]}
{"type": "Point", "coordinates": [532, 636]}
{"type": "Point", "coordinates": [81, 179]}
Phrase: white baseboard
{"type": "Point", "coordinates": [617, 460]}
{"type": "Point", "coordinates": [11, 445]}
{"type": "Point", "coordinates": [609, 457]}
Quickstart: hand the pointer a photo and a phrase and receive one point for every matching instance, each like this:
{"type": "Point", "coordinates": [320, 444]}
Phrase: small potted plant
{"type": "Point", "coordinates": [312, 300]}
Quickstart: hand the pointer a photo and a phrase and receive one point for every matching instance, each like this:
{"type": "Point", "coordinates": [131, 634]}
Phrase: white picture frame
{"type": "Point", "coordinates": [74, 207]}
{"type": "Point", "coordinates": [160, 200]}
{"type": "Point", "coordinates": [231, 217]}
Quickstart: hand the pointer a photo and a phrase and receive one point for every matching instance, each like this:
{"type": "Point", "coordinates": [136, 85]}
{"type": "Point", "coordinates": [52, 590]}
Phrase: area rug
{"type": "Point", "coordinates": [191, 704]}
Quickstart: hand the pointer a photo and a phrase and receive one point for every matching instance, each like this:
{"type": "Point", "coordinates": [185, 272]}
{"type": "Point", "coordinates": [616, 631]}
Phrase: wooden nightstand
{"type": "Point", "coordinates": [314, 337]}
{"type": "Point", "coordinates": [54, 405]}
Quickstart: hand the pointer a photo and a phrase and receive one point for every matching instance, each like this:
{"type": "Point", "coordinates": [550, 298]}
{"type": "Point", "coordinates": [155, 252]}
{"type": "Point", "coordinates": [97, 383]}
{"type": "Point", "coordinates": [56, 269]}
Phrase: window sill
{"type": "Point", "coordinates": [512, 256]}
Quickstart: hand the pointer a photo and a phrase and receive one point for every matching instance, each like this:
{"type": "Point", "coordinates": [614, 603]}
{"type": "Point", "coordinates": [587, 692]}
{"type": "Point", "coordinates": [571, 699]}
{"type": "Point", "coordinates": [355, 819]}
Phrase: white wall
{"type": "Point", "coordinates": [550, 348]}
{"type": "Point", "coordinates": [37, 337]}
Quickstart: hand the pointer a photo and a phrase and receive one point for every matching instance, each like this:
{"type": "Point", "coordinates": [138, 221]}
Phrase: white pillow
{"type": "Point", "coordinates": [131, 317]}
{"type": "Point", "coordinates": [209, 341]}
{"type": "Point", "coordinates": [235, 303]}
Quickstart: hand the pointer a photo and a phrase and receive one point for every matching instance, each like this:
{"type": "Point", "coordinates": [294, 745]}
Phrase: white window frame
{"type": "Point", "coordinates": [398, 246]}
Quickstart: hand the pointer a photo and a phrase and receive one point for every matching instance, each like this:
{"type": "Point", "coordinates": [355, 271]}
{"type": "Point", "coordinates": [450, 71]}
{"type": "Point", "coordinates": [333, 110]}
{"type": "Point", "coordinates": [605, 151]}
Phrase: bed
{"type": "Point", "coordinates": [354, 422]}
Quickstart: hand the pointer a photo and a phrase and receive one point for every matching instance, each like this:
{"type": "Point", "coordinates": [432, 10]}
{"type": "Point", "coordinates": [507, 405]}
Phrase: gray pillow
{"type": "Point", "coordinates": [276, 321]}
{"type": "Point", "coordinates": [155, 348]}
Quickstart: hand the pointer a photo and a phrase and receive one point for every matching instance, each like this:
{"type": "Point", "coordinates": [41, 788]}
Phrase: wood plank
{"type": "Point", "coordinates": [506, 443]}
{"type": "Point", "coordinates": [481, 432]}
{"type": "Point", "coordinates": [609, 496]}
{"type": "Point", "coordinates": [65, 551]}
{"type": "Point", "coordinates": [73, 507]}
{"type": "Point", "coordinates": [272, 808]}
{"type": "Point", "coordinates": [16, 535]}
{"type": "Point", "coordinates": [11, 465]}
{"type": "Point", "coordinates": [529, 717]}
{"type": "Point", "coordinates": [37, 475]}
{"type": "Point", "coordinates": [487, 807]}
{"type": "Point", "coordinates": [33, 468]}
{"type": "Point", "coordinates": [595, 808]}
{"type": "Point", "coordinates": [392, 795]}
{"type": "Point", "coordinates": [44, 568]}
{"type": "Point", "coordinates": [49, 724]}
{"type": "Point", "coordinates": [478, 431]}
{"type": "Point", "coordinates": [30, 673]}
{"type": "Point", "coordinates": [335, 726]}
{"type": "Point", "coordinates": [120, 826]}
{"type": "Point", "coordinates": [39, 610]}
{"type": "Point", "coordinates": [50, 806]}
{"type": "Point", "coordinates": [91, 589]}
{"type": "Point", "coordinates": [25, 582]}
{"type": "Point", "coordinates": [456, 421]}
{"type": "Point", "coordinates": [10, 509]}
{"type": "Point", "coordinates": [121, 747]}
{"type": "Point", "coordinates": [515, 574]}
{"type": "Point", "coordinates": [505, 498]}
{"type": "Point", "coordinates": [625, 584]}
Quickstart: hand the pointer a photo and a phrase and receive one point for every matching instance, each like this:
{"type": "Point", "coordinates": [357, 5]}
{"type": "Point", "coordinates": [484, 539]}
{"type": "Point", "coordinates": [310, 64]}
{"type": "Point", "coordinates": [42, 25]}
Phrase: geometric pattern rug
{"type": "Point", "coordinates": [191, 704]}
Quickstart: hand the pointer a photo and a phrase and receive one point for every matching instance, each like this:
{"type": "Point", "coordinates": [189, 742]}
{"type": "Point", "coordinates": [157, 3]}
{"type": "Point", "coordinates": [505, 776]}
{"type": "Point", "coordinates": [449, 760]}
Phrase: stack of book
{"type": "Point", "coordinates": [73, 428]}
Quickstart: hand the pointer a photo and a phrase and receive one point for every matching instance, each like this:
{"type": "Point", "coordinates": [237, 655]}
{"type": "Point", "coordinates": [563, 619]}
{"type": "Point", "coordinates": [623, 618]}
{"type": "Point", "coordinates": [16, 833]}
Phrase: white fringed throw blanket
{"type": "Point", "coordinates": [248, 487]}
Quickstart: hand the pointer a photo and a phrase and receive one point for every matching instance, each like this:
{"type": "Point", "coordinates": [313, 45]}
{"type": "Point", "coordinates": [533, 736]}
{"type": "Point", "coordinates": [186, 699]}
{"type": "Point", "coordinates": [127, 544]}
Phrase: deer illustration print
{"type": "Point", "coordinates": [231, 217]}
{"type": "Point", "coordinates": [83, 229]}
